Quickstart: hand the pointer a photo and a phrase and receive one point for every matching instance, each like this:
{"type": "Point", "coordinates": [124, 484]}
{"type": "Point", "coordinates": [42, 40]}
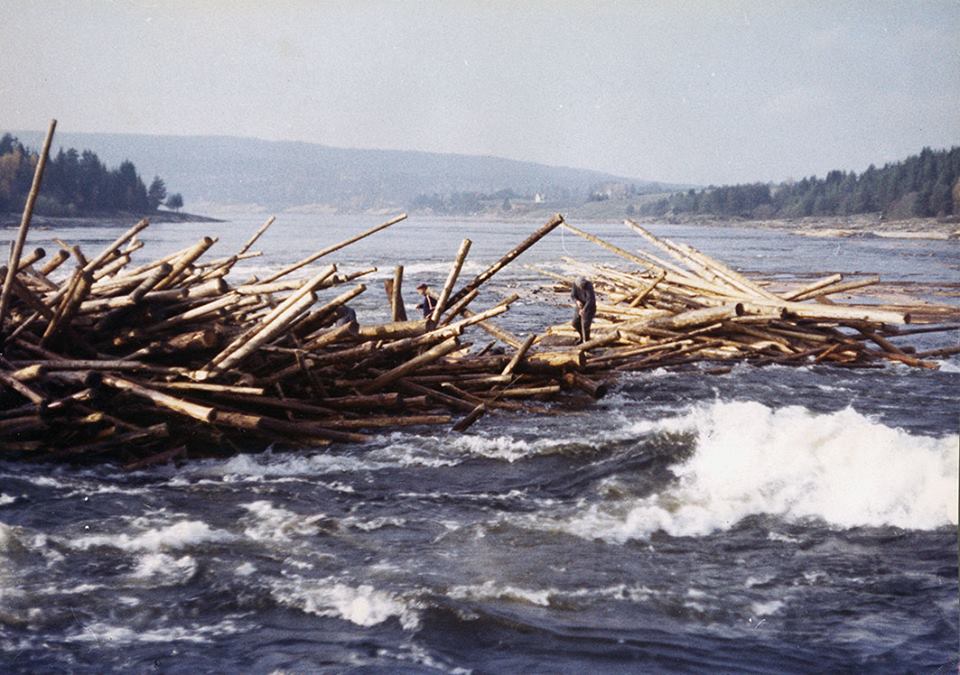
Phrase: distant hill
{"type": "Point", "coordinates": [227, 170]}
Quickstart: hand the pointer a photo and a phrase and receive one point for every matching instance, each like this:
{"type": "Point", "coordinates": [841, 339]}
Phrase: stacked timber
{"type": "Point", "coordinates": [139, 363]}
{"type": "Point", "coordinates": [677, 306]}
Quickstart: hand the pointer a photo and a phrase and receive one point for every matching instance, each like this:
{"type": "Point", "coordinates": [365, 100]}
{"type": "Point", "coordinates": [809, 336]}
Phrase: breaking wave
{"type": "Point", "coordinates": [842, 468]}
{"type": "Point", "coordinates": [179, 535]}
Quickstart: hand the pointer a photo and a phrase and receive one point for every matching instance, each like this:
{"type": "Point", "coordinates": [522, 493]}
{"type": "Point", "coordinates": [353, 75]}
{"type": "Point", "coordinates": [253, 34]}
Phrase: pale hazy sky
{"type": "Point", "coordinates": [689, 91]}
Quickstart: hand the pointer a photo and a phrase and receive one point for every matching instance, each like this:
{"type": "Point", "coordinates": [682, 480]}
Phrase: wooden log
{"type": "Point", "coordinates": [286, 404]}
{"type": "Point", "coordinates": [267, 334]}
{"type": "Point", "coordinates": [211, 388]}
{"type": "Point", "coordinates": [529, 392]}
{"type": "Point", "coordinates": [838, 288]}
{"type": "Point", "coordinates": [328, 337]}
{"type": "Point", "coordinates": [17, 249]}
{"type": "Point", "coordinates": [111, 250]}
{"type": "Point", "coordinates": [16, 385]}
{"type": "Point", "coordinates": [386, 379]}
{"type": "Point", "coordinates": [14, 427]}
{"type": "Point", "coordinates": [26, 295]}
{"type": "Point", "coordinates": [156, 458]}
{"type": "Point", "coordinates": [371, 401]}
{"type": "Point", "coordinates": [674, 274]}
{"type": "Point", "coordinates": [467, 421]}
{"type": "Point", "coordinates": [385, 421]}
{"type": "Point", "coordinates": [397, 311]}
{"type": "Point", "coordinates": [518, 355]}
{"type": "Point", "coordinates": [68, 307]}
{"type": "Point", "coordinates": [267, 289]}
{"type": "Point", "coordinates": [112, 267]}
{"type": "Point", "coordinates": [645, 293]}
{"type": "Point", "coordinates": [59, 365]}
{"type": "Point", "coordinates": [322, 316]}
{"type": "Point", "coordinates": [154, 433]}
{"type": "Point", "coordinates": [903, 358]}
{"type": "Point", "coordinates": [585, 384]}
{"type": "Point", "coordinates": [256, 235]}
{"type": "Point", "coordinates": [177, 405]}
{"type": "Point", "coordinates": [441, 304]}
{"type": "Point", "coordinates": [598, 342]}
{"type": "Point", "coordinates": [822, 311]}
{"type": "Point", "coordinates": [35, 255]}
{"type": "Point", "coordinates": [507, 258]}
{"type": "Point", "coordinates": [459, 307]}
{"type": "Point", "coordinates": [938, 353]}
{"type": "Point", "coordinates": [446, 399]}
{"type": "Point", "coordinates": [58, 259]}
{"type": "Point", "coordinates": [716, 268]}
{"type": "Point", "coordinates": [814, 286]}
{"type": "Point", "coordinates": [184, 261]}
{"type": "Point", "coordinates": [393, 331]}
{"type": "Point", "coordinates": [573, 360]}
{"type": "Point", "coordinates": [336, 247]}
{"type": "Point", "coordinates": [245, 337]}
{"type": "Point", "coordinates": [884, 344]}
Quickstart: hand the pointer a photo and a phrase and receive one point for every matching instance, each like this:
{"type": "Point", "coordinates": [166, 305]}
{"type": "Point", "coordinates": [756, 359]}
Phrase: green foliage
{"type": "Point", "coordinates": [921, 185]}
{"type": "Point", "coordinates": [156, 193]}
{"type": "Point", "coordinates": [74, 183]}
{"type": "Point", "coordinates": [175, 201]}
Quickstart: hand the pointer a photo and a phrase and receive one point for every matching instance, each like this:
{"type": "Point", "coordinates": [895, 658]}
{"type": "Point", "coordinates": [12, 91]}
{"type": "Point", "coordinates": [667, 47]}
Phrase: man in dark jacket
{"type": "Point", "coordinates": [586, 300]}
{"type": "Point", "coordinates": [428, 303]}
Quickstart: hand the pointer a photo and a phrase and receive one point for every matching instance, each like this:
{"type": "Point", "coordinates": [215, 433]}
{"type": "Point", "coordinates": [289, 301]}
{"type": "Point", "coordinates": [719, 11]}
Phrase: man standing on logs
{"type": "Point", "coordinates": [586, 300]}
{"type": "Point", "coordinates": [428, 303]}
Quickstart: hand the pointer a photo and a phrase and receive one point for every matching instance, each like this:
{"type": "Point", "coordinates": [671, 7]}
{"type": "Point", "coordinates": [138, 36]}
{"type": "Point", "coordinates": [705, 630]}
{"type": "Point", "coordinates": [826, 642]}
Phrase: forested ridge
{"type": "Point", "coordinates": [924, 185]}
{"type": "Point", "coordinates": [76, 183]}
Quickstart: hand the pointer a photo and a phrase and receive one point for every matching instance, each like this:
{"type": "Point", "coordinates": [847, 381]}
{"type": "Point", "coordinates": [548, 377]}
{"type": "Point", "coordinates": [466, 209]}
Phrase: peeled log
{"type": "Point", "coordinates": [428, 356]}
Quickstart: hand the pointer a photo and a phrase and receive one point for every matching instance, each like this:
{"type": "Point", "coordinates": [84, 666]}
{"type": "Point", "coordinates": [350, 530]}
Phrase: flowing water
{"type": "Point", "coordinates": [772, 519]}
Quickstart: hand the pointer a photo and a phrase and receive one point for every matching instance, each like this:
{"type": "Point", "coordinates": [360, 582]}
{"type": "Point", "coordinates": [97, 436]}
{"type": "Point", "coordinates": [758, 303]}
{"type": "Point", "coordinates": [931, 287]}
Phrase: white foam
{"type": "Point", "coordinates": [766, 608]}
{"type": "Point", "coordinates": [6, 499]}
{"type": "Point", "coordinates": [492, 590]}
{"type": "Point", "coordinates": [105, 633]}
{"type": "Point", "coordinates": [375, 523]}
{"type": "Point", "coordinates": [277, 524]}
{"type": "Point", "coordinates": [182, 534]}
{"type": "Point", "coordinates": [842, 468]}
{"type": "Point", "coordinates": [950, 367]}
{"type": "Point", "coordinates": [161, 568]}
{"type": "Point", "coordinates": [8, 538]}
{"type": "Point", "coordinates": [243, 468]}
{"type": "Point", "coordinates": [363, 605]}
{"type": "Point", "coordinates": [245, 570]}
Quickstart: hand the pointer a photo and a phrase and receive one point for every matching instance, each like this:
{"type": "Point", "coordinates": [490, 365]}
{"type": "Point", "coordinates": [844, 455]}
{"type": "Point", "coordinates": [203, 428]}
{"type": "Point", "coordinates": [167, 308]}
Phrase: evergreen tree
{"type": "Point", "coordinates": [156, 193]}
{"type": "Point", "coordinates": [175, 201]}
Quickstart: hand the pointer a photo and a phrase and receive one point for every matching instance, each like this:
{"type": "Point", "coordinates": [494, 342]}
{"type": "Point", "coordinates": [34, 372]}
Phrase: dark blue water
{"type": "Point", "coordinates": [769, 520]}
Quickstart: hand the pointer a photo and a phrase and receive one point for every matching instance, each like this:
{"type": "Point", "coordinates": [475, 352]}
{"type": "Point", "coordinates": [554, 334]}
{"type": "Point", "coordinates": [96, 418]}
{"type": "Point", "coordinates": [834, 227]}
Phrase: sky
{"type": "Point", "coordinates": [689, 91]}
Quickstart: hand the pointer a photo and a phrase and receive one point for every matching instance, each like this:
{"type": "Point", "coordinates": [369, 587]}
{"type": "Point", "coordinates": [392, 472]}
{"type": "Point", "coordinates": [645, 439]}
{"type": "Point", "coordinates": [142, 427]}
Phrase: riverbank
{"type": "Point", "coordinates": [861, 225]}
{"type": "Point", "coordinates": [110, 220]}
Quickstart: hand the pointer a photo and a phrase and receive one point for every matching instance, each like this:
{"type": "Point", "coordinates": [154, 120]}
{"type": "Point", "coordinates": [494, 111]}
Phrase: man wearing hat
{"type": "Point", "coordinates": [428, 303]}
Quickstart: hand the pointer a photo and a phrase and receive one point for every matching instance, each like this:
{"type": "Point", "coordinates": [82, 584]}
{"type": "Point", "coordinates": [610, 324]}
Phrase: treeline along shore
{"type": "Point", "coordinates": [922, 186]}
{"type": "Point", "coordinates": [78, 184]}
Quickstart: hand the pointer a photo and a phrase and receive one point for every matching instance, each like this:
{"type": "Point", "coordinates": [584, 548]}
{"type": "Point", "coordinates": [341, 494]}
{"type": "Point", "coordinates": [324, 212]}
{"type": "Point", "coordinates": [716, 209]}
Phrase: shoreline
{"type": "Point", "coordinates": [833, 227]}
{"type": "Point", "coordinates": [10, 220]}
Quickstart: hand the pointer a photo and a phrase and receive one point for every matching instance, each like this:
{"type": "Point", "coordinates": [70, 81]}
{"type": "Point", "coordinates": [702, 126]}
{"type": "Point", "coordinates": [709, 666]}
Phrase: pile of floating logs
{"type": "Point", "coordinates": [679, 306]}
{"type": "Point", "coordinates": [105, 358]}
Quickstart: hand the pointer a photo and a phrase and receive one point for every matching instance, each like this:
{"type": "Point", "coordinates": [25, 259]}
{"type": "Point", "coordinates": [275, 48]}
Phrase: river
{"type": "Point", "coordinates": [772, 519]}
